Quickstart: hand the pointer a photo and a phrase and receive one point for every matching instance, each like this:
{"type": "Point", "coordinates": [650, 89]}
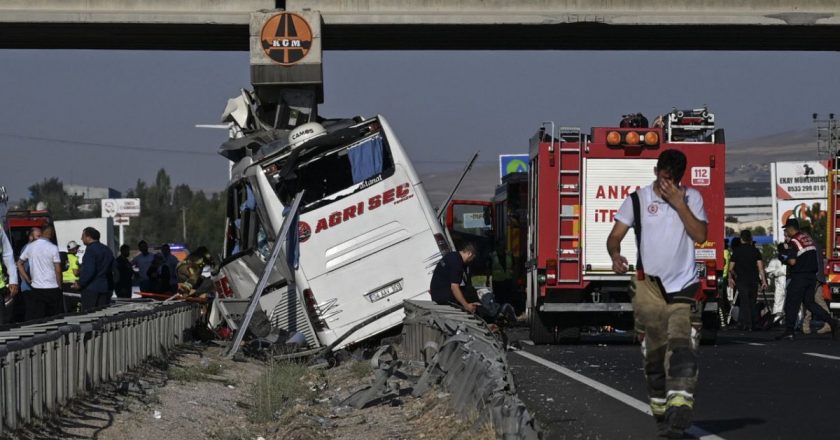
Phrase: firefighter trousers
{"type": "Point", "coordinates": [668, 327]}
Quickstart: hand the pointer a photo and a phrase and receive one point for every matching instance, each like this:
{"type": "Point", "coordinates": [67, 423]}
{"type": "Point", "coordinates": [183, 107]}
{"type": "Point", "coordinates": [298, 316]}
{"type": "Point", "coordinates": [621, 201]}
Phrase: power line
{"type": "Point", "coordinates": [456, 162]}
{"type": "Point", "coordinates": [105, 145]}
{"type": "Point", "coordinates": [177, 151]}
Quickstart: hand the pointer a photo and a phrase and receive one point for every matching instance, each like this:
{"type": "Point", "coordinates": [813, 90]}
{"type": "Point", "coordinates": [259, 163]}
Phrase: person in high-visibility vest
{"type": "Point", "coordinates": [502, 275]}
{"type": "Point", "coordinates": [71, 275]}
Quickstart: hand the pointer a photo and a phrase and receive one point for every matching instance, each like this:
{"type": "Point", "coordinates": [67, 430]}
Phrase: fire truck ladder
{"type": "Point", "coordinates": [568, 203]}
{"type": "Point", "coordinates": [834, 208]}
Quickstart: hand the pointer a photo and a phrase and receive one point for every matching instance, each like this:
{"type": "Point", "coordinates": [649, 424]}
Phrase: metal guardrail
{"type": "Point", "coordinates": [461, 353]}
{"type": "Point", "coordinates": [44, 365]}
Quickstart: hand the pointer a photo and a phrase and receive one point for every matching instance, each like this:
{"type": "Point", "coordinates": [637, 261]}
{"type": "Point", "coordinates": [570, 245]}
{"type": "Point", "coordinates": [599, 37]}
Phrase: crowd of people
{"type": "Point", "coordinates": [796, 272]}
{"type": "Point", "coordinates": [34, 286]}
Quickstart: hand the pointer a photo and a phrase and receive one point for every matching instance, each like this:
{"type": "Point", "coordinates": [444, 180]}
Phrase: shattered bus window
{"type": "Point", "coordinates": [244, 230]}
{"type": "Point", "coordinates": [331, 172]}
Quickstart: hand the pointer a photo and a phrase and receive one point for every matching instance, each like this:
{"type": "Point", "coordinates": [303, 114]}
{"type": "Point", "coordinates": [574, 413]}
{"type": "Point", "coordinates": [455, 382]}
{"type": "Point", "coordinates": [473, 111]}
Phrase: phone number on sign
{"type": "Point", "coordinates": [806, 188]}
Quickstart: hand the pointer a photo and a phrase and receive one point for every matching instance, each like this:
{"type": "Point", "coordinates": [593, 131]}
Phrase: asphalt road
{"type": "Point", "coordinates": [750, 387]}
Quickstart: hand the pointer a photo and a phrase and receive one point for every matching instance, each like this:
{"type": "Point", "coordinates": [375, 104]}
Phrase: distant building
{"type": "Point", "coordinates": [748, 213]}
{"type": "Point", "coordinates": [91, 195]}
{"type": "Point", "coordinates": [739, 189]}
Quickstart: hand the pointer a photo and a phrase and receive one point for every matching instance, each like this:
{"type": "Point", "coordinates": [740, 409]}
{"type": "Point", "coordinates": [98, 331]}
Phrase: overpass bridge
{"type": "Point", "coordinates": [809, 25]}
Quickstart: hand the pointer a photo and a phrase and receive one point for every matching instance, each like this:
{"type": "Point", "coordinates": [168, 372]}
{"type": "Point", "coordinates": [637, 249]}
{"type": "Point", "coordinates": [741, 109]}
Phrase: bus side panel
{"type": "Point", "coordinates": [371, 240]}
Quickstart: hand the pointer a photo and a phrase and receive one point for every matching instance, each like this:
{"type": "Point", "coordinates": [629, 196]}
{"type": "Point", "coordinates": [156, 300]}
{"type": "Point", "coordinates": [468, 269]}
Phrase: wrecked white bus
{"type": "Point", "coordinates": [368, 236]}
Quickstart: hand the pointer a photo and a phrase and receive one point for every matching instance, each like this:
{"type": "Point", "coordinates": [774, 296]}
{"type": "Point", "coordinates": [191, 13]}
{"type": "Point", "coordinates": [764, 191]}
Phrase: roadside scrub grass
{"type": "Point", "coordinates": [201, 372]}
{"type": "Point", "coordinates": [360, 369]}
{"type": "Point", "coordinates": [278, 388]}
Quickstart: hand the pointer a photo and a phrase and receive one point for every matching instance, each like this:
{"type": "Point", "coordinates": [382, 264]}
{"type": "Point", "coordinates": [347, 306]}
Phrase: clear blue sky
{"type": "Point", "coordinates": [107, 118]}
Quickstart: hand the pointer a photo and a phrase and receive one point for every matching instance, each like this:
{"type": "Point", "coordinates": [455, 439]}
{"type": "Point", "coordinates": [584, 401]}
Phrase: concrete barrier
{"type": "Point", "coordinates": [468, 360]}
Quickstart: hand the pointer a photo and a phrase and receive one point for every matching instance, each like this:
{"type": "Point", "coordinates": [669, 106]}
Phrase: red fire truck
{"type": "Point", "coordinates": [832, 236]}
{"type": "Point", "coordinates": [472, 221]}
{"type": "Point", "coordinates": [577, 182]}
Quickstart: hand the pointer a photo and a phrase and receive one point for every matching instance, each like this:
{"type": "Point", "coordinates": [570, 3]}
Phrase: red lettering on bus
{"type": "Point", "coordinates": [402, 191]}
{"type": "Point", "coordinates": [388, 196]}
{"type": "Point", "coordinates": [398, 193]}
{"type": "Point", "coordinates": [349, 212]}
{"type": "Point", "coordinates": [374, 202]}
{"type": "Point", "coordinates": [335, 219]}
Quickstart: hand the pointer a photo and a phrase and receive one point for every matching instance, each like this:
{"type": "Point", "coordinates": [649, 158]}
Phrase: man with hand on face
{"type": "Point", "coordinates": [664, 286]}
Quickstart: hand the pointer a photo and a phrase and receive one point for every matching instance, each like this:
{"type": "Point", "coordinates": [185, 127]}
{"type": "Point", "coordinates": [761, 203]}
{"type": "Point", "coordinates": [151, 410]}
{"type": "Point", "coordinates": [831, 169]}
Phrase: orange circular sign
{"type": "Point", "coordinates": [286, 38]}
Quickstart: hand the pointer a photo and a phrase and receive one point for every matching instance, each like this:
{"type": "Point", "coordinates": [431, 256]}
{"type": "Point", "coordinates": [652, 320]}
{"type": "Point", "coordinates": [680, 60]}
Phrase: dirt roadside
{"type": "Point", "coordinates": [197, 394]}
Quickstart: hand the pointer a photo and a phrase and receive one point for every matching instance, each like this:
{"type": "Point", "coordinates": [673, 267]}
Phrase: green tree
{"type": "Point", "coordinates": [163, 209]}
{"type": "Point", "coordinates": [61, 205]}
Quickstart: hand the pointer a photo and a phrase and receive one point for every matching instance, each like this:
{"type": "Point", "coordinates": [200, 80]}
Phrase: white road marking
{"type": "Point", "coordinates": [757, 344]}
{"type": "Point", "coordinates": [612, 392]}
{"type": "Point", "coordinates": [826, 356]}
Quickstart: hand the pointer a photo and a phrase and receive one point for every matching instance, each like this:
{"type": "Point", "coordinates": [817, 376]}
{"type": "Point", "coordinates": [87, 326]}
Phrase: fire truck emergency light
{"type": "Point", "coordinates": [633, 138]}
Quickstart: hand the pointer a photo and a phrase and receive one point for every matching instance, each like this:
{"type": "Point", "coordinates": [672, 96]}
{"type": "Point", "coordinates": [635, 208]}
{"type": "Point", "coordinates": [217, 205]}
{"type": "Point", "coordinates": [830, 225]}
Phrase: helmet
{"type": "Point", "coordinates": [305, 132]}
{"type": "Point", "coordinates": [72, 245]}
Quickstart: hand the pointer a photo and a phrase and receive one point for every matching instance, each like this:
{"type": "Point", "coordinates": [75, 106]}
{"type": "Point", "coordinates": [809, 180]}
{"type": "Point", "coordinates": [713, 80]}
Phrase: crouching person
{"type": "Point", "coordinates": [664, 287]}
{"type": "Point", "coordinates": [451, 286]}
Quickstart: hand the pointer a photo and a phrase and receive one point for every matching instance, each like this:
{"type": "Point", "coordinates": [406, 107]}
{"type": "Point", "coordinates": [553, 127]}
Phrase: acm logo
{"type": "Point", "coordinates": [286, 38]}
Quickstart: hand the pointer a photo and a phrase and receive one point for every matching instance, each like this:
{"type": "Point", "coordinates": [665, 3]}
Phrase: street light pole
{"type": "Point", "coordinates": [828, 137]}
{"type": "Point", "coordinates": [184, 223]}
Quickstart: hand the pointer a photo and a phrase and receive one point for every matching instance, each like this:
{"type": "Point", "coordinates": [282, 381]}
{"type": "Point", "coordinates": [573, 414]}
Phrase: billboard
{"type": "Point", "coordinates": [800, 190]}
{"type": "Point", "coordinates": [799, 180]}
{"type": "Point", "coordinates": [512, 163]}
{"type": "Point", "coordinates": [809, 212]}
{"type": "Point", "coordinates": [120, 207]}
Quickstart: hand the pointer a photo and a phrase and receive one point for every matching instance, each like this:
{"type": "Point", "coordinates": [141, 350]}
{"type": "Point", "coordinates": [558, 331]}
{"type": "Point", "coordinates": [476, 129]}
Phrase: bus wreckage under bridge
{"type": "Point", "coordinates": [368, 238]}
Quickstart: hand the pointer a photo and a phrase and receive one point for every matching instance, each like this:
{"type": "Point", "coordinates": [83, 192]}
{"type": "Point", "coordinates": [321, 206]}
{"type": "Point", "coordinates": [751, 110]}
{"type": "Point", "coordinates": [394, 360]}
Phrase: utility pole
{"type": "Point", "coordinates": [184, 223]}
{"type": "Point", "coordinates": [828, 136]}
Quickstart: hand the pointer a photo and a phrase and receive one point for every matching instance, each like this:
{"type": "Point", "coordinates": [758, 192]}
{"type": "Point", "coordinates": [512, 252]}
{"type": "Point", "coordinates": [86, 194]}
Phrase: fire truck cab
{"type": "Point", "coordinates": [577, 183]}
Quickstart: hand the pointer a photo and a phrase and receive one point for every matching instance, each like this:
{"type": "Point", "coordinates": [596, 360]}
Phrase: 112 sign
{"type": "Point", "coordinates": [701, 176]}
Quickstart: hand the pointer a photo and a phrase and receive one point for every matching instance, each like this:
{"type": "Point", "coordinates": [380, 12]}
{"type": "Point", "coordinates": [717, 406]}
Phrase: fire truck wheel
{"type": "Point", "coordinates": [568, 335]}
{"type": "Point", "coordinates": [542, 328]}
